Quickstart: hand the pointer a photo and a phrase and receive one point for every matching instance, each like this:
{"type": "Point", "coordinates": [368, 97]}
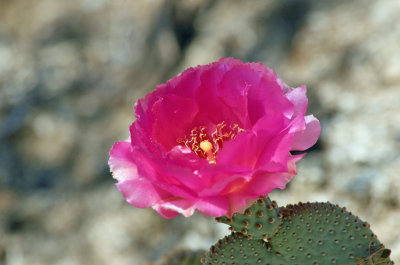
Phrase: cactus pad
{"type": "Point", "coordinates": [323, 233]}
{"type": "Point", "coordinates": [238, 249]}
{"type": "Point", "coordinates": [306, 233]}
{"type": "Point", "coordinates": [260, 221]}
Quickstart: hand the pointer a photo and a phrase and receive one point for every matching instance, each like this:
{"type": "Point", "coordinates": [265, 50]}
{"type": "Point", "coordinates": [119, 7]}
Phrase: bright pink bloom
{"type": "Point", "coordinates": [213, 138]}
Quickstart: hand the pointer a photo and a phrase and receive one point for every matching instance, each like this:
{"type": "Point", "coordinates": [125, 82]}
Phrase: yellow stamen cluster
{"type": "Point", "coordinates": [207, 147]}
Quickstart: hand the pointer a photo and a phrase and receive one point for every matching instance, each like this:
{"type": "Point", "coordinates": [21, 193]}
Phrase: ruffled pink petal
{"type": "Point", "coordinates": [143, 108]}
{"type": "Point", "coordinates": [299, 99]}
{"type": "Point", "coordinates": [213, 206]}
{"type": "Point", "coordinates": [121, 163]}
{"type": "Point", "coordinates": [264, 182]}
{"type": "Point", "coordinates": [275, 152]}
{"type": "Point", "coordinates": [232, 91]}
{"type": "Point", "coordinates": [176, 205]}
{"type": "Point", "coordinates": [242, 151]}
{"type": "Point", "coordinates": [271, 124]}
{"type": "Point", "coordinates": [174, 116]}
{"type": "Point", "coordinates": [247, 147]}
{"type": "Point", "coordinates": [267, 73]}
{"type": "Point", "coordinates": [212, 109]}
{"type": "Point", "coordinates": [222, 179]}
{"type": "Point", "coordinates": [140, 193]}
{"type": "Point", "coordinates": [183, 156]}
{"type": "Point", "coordinates": [261, 183]}
{"type": "Point", "coordinates": [283, 85]}
{"type": "Point", "coordinates": [166, 213]}
{"type": "Point", "coordinates": [266, 98]}
{"type": "Point", "coordinates": [305, 139]}
{"type": "Point", "coordinates": [185, 84]}
{"type": "Point", "coordinates": [153, 169]}
{"type": "Point", "coordinates": [183, 165]}
{"type": "Point", "coordinates": [296, 125]}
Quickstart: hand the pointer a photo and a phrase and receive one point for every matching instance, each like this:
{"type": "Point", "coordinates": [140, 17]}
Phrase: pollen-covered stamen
{"type": "Point", "coordinates": [223, 133]}
{"type": "Point", "coordinates": [207, 147]}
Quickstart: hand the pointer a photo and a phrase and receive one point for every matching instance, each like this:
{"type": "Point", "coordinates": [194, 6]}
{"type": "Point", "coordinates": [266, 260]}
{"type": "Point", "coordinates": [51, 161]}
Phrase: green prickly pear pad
{"type": "Point", "coordinates": [260, 221]}
{"type": "Point", "coordinates": [323, 233]}
{"type": "Point", "coordinates": [307, 234]}
{"type": "Point", "coordinates": [239, 250]}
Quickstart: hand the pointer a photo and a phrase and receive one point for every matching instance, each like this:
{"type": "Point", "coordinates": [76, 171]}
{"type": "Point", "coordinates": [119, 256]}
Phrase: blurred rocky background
{"type": "Point", "coordinates": [70, 72]}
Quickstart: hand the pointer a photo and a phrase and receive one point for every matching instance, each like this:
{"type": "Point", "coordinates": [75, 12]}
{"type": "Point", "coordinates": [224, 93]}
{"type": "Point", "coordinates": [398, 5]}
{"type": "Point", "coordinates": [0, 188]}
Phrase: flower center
{"type": "Point", "coordinates": [206, 146]}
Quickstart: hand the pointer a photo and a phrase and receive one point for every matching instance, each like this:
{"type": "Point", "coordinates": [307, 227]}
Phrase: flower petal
{"type": "Point", "coordinates": [299, 99]}
{"type": "Point", "coordinates": [213, 206]}
{"type": "Point", "coordinates": [264, 182]}
{"type": "Point", "coordinates": [175, 113]}
{"type": "Point", "coordinates": [175, 205]}
{"type": "Point", "coordinates": [166, 213]}
{"type": "Point", "coordinates": [140, 193]}
{"type": "Point", "coordinates": [121, 163]}
{"type": "Point", "coordinates": [267, 98]}
{"type": "Point", "coordinates": [308, 137]}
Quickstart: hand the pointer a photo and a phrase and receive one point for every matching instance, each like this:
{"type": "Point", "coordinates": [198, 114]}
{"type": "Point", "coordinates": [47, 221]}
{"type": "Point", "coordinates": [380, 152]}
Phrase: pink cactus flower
{"type": "Point", "coordinates": [213, 139]}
